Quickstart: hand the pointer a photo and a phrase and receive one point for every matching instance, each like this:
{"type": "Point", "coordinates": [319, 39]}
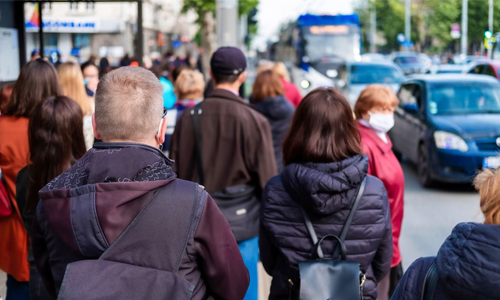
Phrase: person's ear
{"type": "Point", "coordinates": [94, 126]}
{"type": "Point", "coordinates": [163, 130]}
{"type": "Point", "coordinates": [242, 78]}
{"type": "Point", "coordinates": [212, 76]}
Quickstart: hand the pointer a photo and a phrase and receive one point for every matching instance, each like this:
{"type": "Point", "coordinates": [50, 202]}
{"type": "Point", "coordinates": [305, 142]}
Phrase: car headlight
{"type": "Point", "coordinates": [305, 84]}
{"type": "Point", "coordinates": [447, 140]}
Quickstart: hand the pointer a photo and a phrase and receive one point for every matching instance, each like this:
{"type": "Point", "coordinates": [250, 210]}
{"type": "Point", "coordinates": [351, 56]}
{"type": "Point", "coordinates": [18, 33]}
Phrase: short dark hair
{"type": "Point", "coordinates": [222, 78]}
{"type": "Point", "coordinates": [87, 64]}
{"type": "Point", "coordinates": [38, 81]}
{"type": "Point", "coordinates": [323, 130]}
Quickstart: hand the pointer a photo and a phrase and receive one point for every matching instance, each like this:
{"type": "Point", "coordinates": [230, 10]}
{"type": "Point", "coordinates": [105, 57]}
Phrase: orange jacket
{"type": "Point", "coordinates": [14, 155]}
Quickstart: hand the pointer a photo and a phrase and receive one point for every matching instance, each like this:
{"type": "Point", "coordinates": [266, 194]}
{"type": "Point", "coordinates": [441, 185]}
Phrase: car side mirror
{"type": "Point", "coordinates": [411, 107]}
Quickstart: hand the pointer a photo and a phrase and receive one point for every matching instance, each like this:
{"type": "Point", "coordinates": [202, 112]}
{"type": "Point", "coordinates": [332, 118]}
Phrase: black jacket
{"type": "Point", "coordinates": [327, 193]}
{"type": "Point", "coordinates": [279, 112]}
{"type": "Point", "coordinates": [467, 263]}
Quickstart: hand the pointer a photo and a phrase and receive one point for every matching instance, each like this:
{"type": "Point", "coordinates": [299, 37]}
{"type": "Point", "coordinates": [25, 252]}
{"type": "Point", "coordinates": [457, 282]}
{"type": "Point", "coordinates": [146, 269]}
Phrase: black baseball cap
{"type": "Point", "coordinates": [228, 61]}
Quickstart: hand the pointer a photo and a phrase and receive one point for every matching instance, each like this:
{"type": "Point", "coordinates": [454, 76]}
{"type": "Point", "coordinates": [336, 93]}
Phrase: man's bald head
{"type": "Point", "coordinates": [128, 105]}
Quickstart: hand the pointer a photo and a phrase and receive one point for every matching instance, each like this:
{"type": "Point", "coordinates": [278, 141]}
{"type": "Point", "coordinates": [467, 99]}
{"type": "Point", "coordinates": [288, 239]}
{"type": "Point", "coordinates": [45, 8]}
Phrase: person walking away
{"type": "Point", "coordinates": [5, 93]}
{"type": "Point", "coordinates": [90, 77]}
{"type": "Point", "coordinates": [110, 188]}
{"type": "Point", "coordinates": [374, 111]}
{"type": "Point", "coordinates": [72, 85]}
{"type": "Point", "coordinates": [56, 142]}
{"type": "Point", "coordinates": [292, 93]}
{"type": "Point", "coordinates": [37, 81]}
{"type": "Point", "coordinates": [236, 152]}
{"type": "Point", "coordinates": [189, 87]}
{"type": "Point", "coordinates": [324, 169]}
{"type": "Point", "coordinates": [267, 97]}
{"type": "Point", "coordinates": [466, 266]}
{"type": "Point", "coordinates": [162, 72]}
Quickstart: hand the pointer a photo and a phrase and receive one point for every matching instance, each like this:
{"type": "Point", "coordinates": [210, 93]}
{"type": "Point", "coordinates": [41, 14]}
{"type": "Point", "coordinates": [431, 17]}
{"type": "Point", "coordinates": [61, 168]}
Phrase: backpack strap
{"type": "Point", "coordinates": [195, 114]}
{"type": "Point", "coordinates": [430, 282]}
{"type": "Point", "coordinates": [158, 236]}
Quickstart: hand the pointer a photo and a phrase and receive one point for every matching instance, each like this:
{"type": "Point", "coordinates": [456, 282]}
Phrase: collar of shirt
{"type": "Point", "coordinates": [381, 135]}
{"type": "Point", "coordinates": [231, 90]}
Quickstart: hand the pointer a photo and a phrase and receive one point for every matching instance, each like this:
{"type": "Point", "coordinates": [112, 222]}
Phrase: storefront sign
{"type": "Point", "coordinates": [58, 25]}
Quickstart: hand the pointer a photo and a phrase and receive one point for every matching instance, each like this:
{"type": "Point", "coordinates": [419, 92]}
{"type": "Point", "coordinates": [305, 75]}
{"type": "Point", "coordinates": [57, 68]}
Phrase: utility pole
{"type": "Point", "coordinates": [373, 28]}
{"type": "Point", "coordinates": [490, 23]}
{"type": "Point", "coordinates": [464, 26]}
{"type": "Point", "coordinates": [408, 22]}
{"type": "Point", "coordinates": [227, 23]}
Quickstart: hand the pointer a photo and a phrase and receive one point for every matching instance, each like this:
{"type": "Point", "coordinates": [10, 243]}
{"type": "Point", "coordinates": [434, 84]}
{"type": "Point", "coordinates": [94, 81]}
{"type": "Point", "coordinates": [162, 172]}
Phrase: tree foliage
{"type": "Point", "coordinates": [202, 6]}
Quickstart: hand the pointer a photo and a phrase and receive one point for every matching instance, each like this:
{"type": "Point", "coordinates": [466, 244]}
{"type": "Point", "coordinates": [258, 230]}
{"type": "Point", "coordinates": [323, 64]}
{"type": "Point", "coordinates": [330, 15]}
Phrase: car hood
{"type": "Point", "coordinates": [470, 126]}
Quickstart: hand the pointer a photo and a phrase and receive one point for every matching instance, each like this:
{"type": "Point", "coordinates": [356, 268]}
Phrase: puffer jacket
{"type": "Point", "coordinates": [467, 264]}
{"type": "Point", "coordinates": [326, 192]}
{"type": "Point", "coordinates": [279, 112]}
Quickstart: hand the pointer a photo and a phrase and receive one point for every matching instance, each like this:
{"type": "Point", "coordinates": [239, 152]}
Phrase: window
{"type": "Point", "coordinates": [90, 6]}
{"type": "Point", "coordinates": [81, 40]}
{"type": "Point", "coordinates": [73, 7]}
{"type": "Point", "coordinates": [405, 95]}
{"type": "Point", "coordinates": [477, 69]}
{"type": "Point", "coordinates": [488, 70]}
{"type": "Point", "coordinates": [47, 7]}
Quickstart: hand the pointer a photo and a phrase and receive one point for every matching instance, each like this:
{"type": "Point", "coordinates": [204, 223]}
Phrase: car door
{"type": "Point", "coordinates": [415, 120]}
{"type": "Point", "coordinates": [399, 133]}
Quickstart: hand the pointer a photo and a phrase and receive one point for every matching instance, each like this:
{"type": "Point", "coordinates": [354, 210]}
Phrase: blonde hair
{"type": "Point", "coordinates": [487, 183]}
{"type": "Point", "coordinates": [190, 85]}
{"type": "Point", "coordinates": [374, 95]}
{"type": "Point", "coordinates": [128, 105]}
{"type": "Point", "coordinates": [280, 69]}
{"type": "Point", "coordinates": [72, 84]}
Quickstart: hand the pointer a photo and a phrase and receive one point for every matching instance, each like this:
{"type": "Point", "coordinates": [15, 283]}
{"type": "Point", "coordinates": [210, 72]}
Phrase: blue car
{"type": "Point", "coordinates": [449, 126]}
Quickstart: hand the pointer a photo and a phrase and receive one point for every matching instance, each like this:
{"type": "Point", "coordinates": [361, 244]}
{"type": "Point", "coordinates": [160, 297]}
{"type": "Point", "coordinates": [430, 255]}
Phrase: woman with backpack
{"type": "Point", "coordinates": [466, 266]}
{"type": "Point", "coordinates": [56, 141]}
{"type": "Point", "coordinates": [323, 175]}
{"type": "Point", "coordinates": [37, 81]}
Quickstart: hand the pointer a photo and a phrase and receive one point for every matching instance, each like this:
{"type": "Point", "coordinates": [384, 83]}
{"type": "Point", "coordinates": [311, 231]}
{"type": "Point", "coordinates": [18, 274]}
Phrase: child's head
{"type": "Point", "coordinates": [487, 183]}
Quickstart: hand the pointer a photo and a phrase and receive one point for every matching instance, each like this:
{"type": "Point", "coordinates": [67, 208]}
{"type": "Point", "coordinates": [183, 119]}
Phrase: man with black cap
{"type": "Point", "coordinates": [226, 145]}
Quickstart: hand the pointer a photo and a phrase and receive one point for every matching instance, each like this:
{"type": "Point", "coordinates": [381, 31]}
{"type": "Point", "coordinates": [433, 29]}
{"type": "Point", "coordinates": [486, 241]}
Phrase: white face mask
{"type": "Point", "coordinates": [381, 122]}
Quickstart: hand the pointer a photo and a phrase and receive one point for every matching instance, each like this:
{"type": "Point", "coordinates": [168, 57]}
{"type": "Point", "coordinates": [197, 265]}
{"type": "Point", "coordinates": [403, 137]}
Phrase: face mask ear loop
{"type": "Point", "coordinates": [158, 136]}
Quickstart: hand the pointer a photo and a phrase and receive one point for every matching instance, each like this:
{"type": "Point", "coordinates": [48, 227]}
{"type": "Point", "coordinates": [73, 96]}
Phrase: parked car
{"type": "Point", "coordinates": [447, 69]}
{"type": "Point", "coordinates": [356, 76]}
{"type": "Point", "coordinates": [409, 62]}
{"type": "Point", "coordinates": [490, 68]}
{"type": "Point", "coordinates": [373, 57]}
{"type": "Point", "coordinates": [449, 125]}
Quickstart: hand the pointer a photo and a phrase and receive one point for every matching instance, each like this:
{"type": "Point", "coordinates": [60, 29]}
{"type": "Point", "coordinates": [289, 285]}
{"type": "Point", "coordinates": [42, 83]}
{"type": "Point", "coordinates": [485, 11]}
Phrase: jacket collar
{"type": "Point", "coordinates": [384, 147]}
{"type": "Point", "coordinates": [102, 145]}
{"type": "Point", "coordinates": [225, 94]}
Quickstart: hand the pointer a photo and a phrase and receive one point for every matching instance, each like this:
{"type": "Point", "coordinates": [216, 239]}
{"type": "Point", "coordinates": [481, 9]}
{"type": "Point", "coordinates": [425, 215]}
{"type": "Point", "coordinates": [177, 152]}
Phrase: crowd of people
{"type": "Point", "coordinates": [163, 184]}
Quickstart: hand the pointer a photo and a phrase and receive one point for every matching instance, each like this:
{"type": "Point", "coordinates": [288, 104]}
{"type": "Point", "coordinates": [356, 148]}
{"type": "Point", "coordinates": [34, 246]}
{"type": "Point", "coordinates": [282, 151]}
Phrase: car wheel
{"type": "Point", "coordinates": [423, 168]}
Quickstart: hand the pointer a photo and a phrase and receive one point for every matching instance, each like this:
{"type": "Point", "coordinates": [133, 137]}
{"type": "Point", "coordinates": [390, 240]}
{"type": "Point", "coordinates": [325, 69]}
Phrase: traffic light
{"type": "Point", "coordinates": [488, 34]}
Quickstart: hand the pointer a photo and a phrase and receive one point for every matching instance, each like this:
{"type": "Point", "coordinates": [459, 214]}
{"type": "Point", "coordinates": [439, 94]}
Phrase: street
{"type": "Point", "coordinates": [430, 215]}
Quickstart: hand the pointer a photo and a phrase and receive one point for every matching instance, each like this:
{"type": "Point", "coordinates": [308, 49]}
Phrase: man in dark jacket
{"type": "Point", "coordinates": [237, 143]}
{"type": "Point", "coordinates": [84, 210]}
{"type": "Point", "coordinates": [467, 266]}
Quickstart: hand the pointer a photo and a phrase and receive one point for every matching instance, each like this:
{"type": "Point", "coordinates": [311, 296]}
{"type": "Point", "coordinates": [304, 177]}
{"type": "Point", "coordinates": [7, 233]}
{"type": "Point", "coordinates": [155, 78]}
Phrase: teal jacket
{"type": "Point", "coordinates": [169, 97]}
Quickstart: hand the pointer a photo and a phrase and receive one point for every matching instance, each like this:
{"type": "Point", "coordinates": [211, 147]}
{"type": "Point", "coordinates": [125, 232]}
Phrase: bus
{"type": "Point", "coordinates": [316, 47]}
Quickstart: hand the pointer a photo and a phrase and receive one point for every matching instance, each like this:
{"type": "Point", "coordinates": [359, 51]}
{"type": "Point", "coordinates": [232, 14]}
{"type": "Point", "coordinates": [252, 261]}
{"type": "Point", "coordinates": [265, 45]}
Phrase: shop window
{"type": "Point", "coordinates": [81, 40]}
{"type": "Point", "coordinates": [73, 7]}
{"type": "Point", "coordinates": [90, 6]}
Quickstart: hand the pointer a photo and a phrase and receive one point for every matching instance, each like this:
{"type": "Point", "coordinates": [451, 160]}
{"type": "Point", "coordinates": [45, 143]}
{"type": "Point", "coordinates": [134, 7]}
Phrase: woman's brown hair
{"type": "Point", "coordinates": [323, 130]}
{"type": "Point", "coordinates": [56, 140]}
{"type": "Point", "coordinates": [71, 79]}
{"type": "Point", "coordinates": [488, 184]}
{"type": "Point", "coordinates": [267, 84]}
{"type": "Point", "coordinates": [37, 81]}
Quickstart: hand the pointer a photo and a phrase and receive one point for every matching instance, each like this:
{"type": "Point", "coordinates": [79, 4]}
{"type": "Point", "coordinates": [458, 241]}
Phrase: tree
{"type": "Point", "coordinates": [206, 10]}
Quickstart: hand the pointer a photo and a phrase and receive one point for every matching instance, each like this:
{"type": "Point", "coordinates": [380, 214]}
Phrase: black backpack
{"type": "Point", "coordinates": [144, 260]}
{"type": "Point", "coordinates": [331, 278]}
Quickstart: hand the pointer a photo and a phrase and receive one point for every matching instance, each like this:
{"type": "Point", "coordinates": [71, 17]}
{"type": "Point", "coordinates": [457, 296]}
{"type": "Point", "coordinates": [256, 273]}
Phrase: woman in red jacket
{"type": "Point", "coordinates": [375, 113]}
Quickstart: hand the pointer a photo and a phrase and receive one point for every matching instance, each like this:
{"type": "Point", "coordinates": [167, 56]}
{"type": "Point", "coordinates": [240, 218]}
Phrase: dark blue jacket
{"type": "Point", "coordinates": [468, 265]}
{"type": "Point", "coordinates": [327, 192]}
{"type": "Point", "coordinates": [279, 112]}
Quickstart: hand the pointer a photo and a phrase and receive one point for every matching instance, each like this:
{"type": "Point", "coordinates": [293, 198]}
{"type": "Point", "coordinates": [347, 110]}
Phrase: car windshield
{"type": "Point", "coordinates": [406, 60]}
{"type": "Point", "coordinates": [375, 74]}
{"type": "Point", "coordinates": [464, 99]}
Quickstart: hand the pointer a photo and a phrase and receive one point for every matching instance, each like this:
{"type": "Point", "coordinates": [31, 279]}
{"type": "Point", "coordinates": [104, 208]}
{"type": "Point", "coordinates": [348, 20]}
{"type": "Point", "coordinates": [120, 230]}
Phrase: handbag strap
{"type": "Point", "coordinates": [347, 224]}
{"type": "Point", "coordinates": [430, 282]}
{"type": "Point", "coordinates": [195, 113]}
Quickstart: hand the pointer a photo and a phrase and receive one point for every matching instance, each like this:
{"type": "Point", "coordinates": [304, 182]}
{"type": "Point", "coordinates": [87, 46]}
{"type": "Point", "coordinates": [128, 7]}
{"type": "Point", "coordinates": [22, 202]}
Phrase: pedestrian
{"type": "Point", "coordinates": [189, 88]}
{"type": "Point", "coordinates": [292, 93]}
{"type": "Point", "coordinates": [90, 77]}
{"type": "Point", "coordinates": [233, 153]}
{"type": "Point", "coordinates": [102, 212]}
{"type": "Point", "coordinates": [56, 142]}
{"type": "Point", "coordinates": [466, 266]}
{"type": "Point", "coordinates": [374, 111]}
{"type": "Point", "coordinates": [5, 93]}
{"type": "Point", "coordinates": [103, 65]}
{"type": "Point", "coordinates": [324, 169]}
{"type": "Point", "coordinates": [37, 81]}
{"type": "Point", "coordinates": [268, 98]}
{"type": "Point", "coordinates": [163, 74]}
{"type": "Point", "coordinates": [72, 85]}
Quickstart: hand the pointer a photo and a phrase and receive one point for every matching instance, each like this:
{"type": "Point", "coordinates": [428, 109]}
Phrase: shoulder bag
{"type": "Point", "coordinates": [430, 282]}
{"type": "Point", "coordinates": [334, 278]}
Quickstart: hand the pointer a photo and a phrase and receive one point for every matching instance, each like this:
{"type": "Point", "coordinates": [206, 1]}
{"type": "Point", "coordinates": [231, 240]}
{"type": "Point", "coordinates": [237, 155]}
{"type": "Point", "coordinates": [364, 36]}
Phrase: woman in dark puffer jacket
{"type": "Point", "coordinates": [267, 97]}
{"type": "Point", "coordinates": [323, 171]}
{"type": "Point", "coordinates": [467, 264]}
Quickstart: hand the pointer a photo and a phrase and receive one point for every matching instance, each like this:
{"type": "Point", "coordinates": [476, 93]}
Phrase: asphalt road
{"type": "Point", "coordinates": [430, 215]}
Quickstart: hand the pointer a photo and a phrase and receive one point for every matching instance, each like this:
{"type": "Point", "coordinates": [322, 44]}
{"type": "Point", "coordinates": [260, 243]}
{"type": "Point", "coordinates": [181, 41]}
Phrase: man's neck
{"type": "Point", "coordinates": [233, 87]}
{"type": "Point", "coordinates": [153, 143]}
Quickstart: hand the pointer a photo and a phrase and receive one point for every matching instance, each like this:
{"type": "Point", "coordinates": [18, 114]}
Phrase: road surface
{"type": "Point", "coordinates": [430, 215]}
